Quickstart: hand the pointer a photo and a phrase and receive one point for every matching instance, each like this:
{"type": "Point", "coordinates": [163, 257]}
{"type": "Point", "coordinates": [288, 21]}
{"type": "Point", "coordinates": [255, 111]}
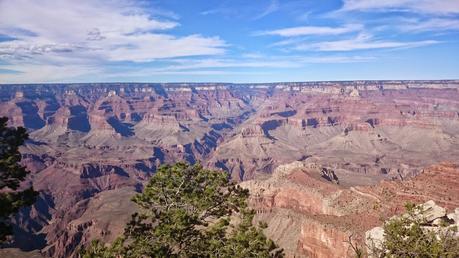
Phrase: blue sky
{"type": "Point", "coordinates": [227, 40]}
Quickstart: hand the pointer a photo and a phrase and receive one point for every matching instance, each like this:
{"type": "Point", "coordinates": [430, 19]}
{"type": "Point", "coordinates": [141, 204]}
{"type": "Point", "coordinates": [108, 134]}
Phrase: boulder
{"type": "Point", "coordinates": [454, 216]}
{"type": "Point", "coordinates": [432, 211]}
{"type": "Point", "coordinates": [374, 237]}
{"type": "Point", "coordinates": [436, 219]}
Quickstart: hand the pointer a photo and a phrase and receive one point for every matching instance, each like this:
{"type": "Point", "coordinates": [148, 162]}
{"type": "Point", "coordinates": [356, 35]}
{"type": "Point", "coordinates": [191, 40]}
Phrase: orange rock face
{"type": "Point", "coordinates": [317, 240]}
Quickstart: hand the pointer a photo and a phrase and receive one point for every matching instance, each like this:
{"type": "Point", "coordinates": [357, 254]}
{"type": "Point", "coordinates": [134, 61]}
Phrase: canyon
{"type": "Point", "coordinates": [324, 161]}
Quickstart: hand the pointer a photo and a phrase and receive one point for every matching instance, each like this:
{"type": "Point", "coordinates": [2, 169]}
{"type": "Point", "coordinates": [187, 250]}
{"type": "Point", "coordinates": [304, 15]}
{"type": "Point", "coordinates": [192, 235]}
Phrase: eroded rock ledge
{"type": "Point", "coordinates": [310, 216]}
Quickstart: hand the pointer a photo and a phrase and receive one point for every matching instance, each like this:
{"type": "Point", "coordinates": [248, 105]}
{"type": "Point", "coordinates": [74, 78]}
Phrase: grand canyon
{"type": "Point", "coordinates": [324, 161]}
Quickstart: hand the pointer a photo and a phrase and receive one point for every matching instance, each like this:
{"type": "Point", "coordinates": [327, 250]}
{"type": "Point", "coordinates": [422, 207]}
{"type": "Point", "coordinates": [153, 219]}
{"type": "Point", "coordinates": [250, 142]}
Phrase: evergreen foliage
{"type": "Point", "coordinates": [11, 176]}
{"type": "Point", "coordinates": [188, 211]}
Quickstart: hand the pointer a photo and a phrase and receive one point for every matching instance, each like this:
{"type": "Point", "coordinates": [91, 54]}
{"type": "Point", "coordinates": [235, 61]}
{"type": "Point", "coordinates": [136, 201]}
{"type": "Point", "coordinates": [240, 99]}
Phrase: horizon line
{"type": "Point", "coordinates": [222, 82]}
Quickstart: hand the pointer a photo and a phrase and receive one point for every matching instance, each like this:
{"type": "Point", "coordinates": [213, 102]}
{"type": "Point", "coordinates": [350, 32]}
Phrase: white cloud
{"type": "Point", "coordinates": [338, 59]}
{"type": "Point", "coordinates": [147, 47]}
{"type": "Point", "coordinates": [272, 7]}
{"type": "Point", "coordinates": [261, 62]}
{"type": "Point", "coordinates": [287, 42]}
{"type": "Point", "coordinates": [42, 73]}
{"type": "Point", "coordinates": [258, 61]}
{"type": "Point", "coordinates": [68, 20]}
{"type": "Point", "coordinates": [312, 30]}
{"type": "Point", "coordinates": [75, 73]}
{"type": "Point", "coordinates": [424, 6]}
{"type": "Point", "coordinates": [225, 66]}
{"type": "Point", "coordinates": [72, 32]}
{"type": "Point", "coordinates": [362, 42]}
{"type": "Point", "coordinates": [436, 24]}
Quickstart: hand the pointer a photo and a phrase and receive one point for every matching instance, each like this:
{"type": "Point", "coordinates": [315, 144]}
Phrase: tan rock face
{"type": "Point", "coordinates": [344, 136]}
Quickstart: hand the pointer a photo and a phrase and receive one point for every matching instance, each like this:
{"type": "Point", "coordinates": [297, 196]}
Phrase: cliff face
{"type": "Point", "coordinates": [309, 216]}
{"type": "Point", "coordinates": [88, 142]}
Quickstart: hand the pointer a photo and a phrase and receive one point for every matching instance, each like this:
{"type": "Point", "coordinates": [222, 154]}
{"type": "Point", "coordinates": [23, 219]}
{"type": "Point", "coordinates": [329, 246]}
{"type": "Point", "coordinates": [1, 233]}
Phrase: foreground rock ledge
{"type": "Point", "coordinates": [310, 216]}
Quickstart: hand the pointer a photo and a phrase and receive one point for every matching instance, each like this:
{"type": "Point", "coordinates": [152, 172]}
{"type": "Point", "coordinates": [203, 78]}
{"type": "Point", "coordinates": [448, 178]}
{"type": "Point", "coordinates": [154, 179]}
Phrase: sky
{"type": "Point", "coordinates": [238, 41]}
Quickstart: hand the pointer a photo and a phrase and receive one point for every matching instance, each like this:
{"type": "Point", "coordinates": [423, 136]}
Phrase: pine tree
{"type": "Point", "coordinates": [188, 211]}
{"type": "Point", "coordinates": [11, 176]}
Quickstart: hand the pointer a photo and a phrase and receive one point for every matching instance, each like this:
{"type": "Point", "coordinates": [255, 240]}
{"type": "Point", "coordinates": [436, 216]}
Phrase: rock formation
{"type": "Point", "coordinates": [434, 220]}
{"type": "Point", "coordinates": [354, 146]}
{"type": "Point", "coordinates": [310, 216]}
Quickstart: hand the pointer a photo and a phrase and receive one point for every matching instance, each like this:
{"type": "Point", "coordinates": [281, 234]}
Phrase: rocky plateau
{"type": "Point", "coordinates": [324, 161]}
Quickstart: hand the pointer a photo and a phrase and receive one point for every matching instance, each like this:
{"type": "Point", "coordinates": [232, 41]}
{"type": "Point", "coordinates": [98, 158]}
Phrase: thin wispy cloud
{"type": "Point", "coordinates": [312, 30]}
{"type": "Point", "coordinates": [231, 63]}
{"type": "Point", "coordinates": [362, 42]}
{"type": "Point", "coordinates": [221, 10]}
{"type": "Point", "coordinates": [272, 7]}
{"type": "Point", "coordinates": [42, 73]}
{"type": "Point", "coordinates": [436, 25]}
{"type": "Point", "coordinates": [425, 6]}
{"type": "Point", "coordinates": [258, 61]}
{"type": "Point", "coordinates": [247, 11]}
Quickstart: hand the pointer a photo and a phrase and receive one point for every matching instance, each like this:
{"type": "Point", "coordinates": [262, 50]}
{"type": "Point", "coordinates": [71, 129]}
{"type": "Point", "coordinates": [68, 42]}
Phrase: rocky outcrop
{"type": "Point", "coordinates": [322, 241]}
{"type": "Point", "coordinates": [104, 218]}
{"type": "Point", "coordinates": [309, 216]}
{"type": "Point", "coordinates": [433, 217]}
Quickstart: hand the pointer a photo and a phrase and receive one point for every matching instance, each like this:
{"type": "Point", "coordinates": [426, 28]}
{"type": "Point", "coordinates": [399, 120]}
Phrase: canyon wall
{"type": "Point", "coordinates": [96, 143]}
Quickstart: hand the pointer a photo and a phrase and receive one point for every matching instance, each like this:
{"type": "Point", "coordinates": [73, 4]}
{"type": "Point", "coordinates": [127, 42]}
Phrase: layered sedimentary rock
{"type": "Point", "coordinates": [309, 216]}
{"type": "Point", "coordinates": [91, 142]}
